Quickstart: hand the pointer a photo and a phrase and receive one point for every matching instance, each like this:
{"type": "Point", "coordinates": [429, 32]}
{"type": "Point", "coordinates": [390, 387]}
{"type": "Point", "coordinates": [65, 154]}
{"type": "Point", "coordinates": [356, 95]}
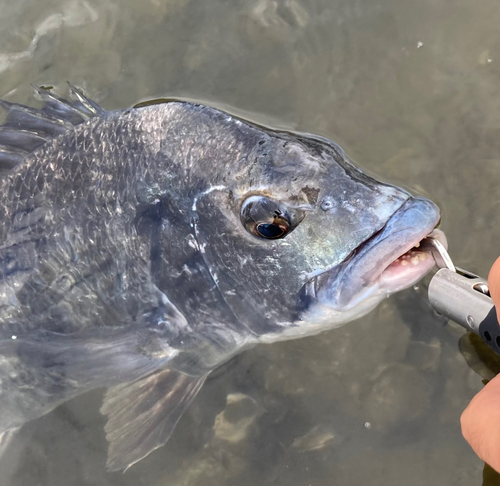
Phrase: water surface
{"type": "Point", "coordinates": [410, 90]}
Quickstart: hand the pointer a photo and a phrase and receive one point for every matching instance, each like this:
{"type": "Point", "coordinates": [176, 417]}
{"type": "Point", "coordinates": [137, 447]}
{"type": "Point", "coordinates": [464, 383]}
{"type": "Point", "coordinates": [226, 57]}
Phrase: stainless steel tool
{"type": "Point", "coordinates": [463, 297]}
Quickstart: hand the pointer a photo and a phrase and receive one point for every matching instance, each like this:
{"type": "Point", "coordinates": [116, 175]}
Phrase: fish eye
{"type": "Point", "coordinates": [266, 218]}
{"type": "Point", "coordinates": [271, 230]}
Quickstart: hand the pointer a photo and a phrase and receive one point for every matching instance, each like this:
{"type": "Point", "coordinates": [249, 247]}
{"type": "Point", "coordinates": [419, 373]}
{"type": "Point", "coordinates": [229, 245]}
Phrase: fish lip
{"type": "Point", "coordinates": [362, 273]}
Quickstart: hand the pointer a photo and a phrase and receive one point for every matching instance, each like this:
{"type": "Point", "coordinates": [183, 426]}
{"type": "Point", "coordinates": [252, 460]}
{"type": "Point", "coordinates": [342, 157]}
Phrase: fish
{"type": "Point", "coordinates": [140, 249]}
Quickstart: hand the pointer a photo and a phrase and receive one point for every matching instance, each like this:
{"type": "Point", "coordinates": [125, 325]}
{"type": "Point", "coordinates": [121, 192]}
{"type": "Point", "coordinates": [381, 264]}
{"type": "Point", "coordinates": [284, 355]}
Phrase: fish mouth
{"type": "Point", "coordinates": [409, 267]}
{"type": "Point", "coordinates": [389, 261]}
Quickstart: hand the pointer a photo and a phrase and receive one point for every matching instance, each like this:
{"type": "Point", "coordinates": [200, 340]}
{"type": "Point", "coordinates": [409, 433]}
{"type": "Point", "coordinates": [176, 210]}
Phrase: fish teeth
{"type": "Point", "coordinates": [413, 256]}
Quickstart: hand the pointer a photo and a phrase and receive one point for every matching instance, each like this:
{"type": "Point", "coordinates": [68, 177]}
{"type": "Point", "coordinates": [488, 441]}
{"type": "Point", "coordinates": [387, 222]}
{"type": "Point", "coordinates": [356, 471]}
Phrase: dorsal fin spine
{"type": "Point", "coordinates": [90, 105]}
{"type": "Point", "coordinates": [25, 128]}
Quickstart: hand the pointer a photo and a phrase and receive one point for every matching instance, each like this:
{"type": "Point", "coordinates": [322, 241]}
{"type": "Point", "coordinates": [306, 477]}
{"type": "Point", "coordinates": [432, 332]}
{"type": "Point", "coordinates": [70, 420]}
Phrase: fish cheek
{"type": "Point", "coordinates": [250, 273]}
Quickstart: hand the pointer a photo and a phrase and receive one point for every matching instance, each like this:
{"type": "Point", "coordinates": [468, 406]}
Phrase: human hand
{"type": "Point", "coordinates": [481, 419]}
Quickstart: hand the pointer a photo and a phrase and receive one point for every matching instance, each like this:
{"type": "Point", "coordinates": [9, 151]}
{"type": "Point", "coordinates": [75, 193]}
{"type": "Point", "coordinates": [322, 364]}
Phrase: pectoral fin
{"type": "Point", "coordinates": [143, 414]}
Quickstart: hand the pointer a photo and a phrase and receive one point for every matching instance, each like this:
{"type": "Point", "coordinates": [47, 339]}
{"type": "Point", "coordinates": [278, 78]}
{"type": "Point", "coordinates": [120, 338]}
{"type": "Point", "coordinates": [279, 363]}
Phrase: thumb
{"type": "Point", "coordinates": [480, 423]}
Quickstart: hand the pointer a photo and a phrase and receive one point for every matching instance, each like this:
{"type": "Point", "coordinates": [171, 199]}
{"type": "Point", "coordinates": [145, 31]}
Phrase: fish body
{"type": "Point", "coordinates": [140, 249]}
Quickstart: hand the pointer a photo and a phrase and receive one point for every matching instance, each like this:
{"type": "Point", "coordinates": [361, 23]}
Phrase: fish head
{"type": "Point", "coordinates": [298, 240]}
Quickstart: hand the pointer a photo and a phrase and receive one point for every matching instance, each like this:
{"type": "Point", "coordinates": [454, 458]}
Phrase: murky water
{"type": "Point", "coordinates": [411, 91]}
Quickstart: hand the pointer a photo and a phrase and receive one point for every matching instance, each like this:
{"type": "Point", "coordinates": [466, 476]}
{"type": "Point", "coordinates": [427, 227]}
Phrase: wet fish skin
{"type": "Point", "coordinates": [124, 261]}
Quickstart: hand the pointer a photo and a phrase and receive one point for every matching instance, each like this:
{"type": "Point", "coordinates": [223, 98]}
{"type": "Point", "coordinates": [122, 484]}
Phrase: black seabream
{"type": "Point", "coordinates": [140, 249]}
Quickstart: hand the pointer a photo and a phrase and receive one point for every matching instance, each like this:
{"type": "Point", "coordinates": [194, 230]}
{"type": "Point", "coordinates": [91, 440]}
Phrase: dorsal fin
{"type": "Point", "coordinates": [26, 128]}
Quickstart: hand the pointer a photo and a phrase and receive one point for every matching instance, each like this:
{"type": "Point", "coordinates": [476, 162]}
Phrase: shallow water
{"type": "Point", "coordinates": [410, 90]}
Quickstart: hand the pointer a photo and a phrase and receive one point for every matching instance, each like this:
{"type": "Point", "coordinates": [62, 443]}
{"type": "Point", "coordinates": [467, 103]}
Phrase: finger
{"type": "Point", "coordinates": [494, 285]}
{"type": "Point", "coordinates": [480, 423]}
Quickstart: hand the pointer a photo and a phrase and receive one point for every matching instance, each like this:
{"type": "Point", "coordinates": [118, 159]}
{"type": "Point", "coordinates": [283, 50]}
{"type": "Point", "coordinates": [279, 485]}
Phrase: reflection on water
{"type": "Point", "coordinates": [410, 90]}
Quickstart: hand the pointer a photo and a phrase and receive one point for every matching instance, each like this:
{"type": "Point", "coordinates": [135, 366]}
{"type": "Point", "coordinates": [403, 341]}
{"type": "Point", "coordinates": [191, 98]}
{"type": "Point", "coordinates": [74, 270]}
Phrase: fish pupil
{"type": "Point", "coordinates": [270, 230]}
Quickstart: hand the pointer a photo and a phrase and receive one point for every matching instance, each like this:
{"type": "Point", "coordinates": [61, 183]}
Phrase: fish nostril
{"type": "Point", "coordinates": [327, 204]}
